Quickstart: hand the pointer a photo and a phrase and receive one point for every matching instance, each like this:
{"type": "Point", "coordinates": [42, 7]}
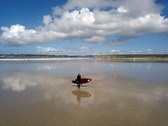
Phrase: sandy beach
{"type": "Point", "coordinates": [120, 94]}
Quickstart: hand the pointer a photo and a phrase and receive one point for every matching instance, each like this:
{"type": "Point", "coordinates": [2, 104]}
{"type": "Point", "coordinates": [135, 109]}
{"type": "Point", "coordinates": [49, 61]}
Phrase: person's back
{"type": "Point", "coordinates": [78, 80]}
{"type": "Point", "coordinates": [78, 77]}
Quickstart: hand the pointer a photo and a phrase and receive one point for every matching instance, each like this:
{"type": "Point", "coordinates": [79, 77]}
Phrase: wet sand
{"type": "Point", "coordinates": [120, 94]}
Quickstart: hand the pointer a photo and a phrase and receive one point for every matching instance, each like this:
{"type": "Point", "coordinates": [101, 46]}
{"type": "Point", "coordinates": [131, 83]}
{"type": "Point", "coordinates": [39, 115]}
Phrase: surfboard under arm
{"type": "Point", "coordinates": [82, 80]}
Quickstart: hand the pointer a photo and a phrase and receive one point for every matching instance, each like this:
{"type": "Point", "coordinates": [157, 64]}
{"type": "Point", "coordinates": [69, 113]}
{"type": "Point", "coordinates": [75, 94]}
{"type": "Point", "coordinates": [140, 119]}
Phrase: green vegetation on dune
{"type": "Point", "coordinates": [117, 57]}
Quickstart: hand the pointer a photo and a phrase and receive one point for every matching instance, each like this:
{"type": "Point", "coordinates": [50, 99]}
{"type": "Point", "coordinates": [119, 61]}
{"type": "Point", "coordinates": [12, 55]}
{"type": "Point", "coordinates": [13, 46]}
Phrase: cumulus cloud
{"type": "Point", "coordinates": [46, 49]}
{"type": "Point", "coordinates": [71, 4]}
{"type": "Point", "coordinates": [19, 35]}
{"type": "Point", "coordinates": [84, 48]}
{"type": "Point", "coordinates": [92, 21]}
{"type": "Point", "coordinates": [47, 19]}
{"type": "Point", "coordinates": [121, 9]}
{"type": "Point", "coordinates": [147, 51]}
{"type": "Point", "coordinates": [51, 50]}
{"type": "Point", "coordinates": [150, 51]}
{"type": "Point", "coordinates": [115, 51]}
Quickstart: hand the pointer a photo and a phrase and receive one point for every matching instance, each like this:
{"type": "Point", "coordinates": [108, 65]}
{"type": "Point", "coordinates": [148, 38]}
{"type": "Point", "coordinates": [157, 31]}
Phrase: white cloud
{"type": "Point", "coordinates": [150, 51]}
{"type": "Point", "coordinates": [147, 51]}
{"type": "Point", "coordinates": [133, 51]}
{"type": "Point", "coordinates": [135, 7]}
{"type": "Point", "coordinates": [47, 19]}
{"type": "Point", "coordinates": [58, 11]}
{"type": "Point", "coordinates": [71, 4]}
{"type": "Point", "coordinates": [90, 21]}
{"type": "Point", "coordinates": [78, 19]}
{"type": "Point", "coordinates": [115, 51]}
{"type": "Point", "coordinates": [84, 48]}
{"type": "Point", "coordinates": [96, 39]}
{"type": "Point", "coordinates": [122, 9]}
{"type": "Point", "coordinates": [51, 50]}
{"type": "Point", "coordinates": [17, 34]}
{"type": "Point", "coordinates": [46, 49]}
{"type": "Point", "coordinates": [140, 51]}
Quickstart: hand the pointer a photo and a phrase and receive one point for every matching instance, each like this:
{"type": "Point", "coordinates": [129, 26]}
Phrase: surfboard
{"type": "Point", "coordinates": [82, 81]}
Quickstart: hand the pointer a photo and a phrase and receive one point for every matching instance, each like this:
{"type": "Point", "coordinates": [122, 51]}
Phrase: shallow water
{"type": "Point", "coordinates": [120, 94]}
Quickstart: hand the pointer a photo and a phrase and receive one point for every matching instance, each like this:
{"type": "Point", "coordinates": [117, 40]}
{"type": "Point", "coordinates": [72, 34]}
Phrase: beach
{"type": "Point", "coordinates": [40, 93]}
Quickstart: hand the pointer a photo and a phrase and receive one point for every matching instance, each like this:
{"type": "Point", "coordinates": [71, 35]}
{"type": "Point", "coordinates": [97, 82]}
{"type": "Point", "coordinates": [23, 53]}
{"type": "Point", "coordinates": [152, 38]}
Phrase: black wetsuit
{"type": "Point", "coordinates": [78, 80]}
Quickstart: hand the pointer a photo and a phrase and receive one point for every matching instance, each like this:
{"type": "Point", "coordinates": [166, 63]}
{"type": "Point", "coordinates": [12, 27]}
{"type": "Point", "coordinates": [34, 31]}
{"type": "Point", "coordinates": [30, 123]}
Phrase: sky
{"type": "Point", "coordinates": [83, 27]}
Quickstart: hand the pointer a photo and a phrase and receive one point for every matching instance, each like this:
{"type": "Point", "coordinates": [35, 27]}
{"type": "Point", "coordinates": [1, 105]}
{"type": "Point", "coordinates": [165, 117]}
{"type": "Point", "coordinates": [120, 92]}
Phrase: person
{"type": "Point", "coordinates": [78, 80]}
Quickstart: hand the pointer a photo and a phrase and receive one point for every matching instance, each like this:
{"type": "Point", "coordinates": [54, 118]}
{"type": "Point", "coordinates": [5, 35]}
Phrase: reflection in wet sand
{"type": "Point", "coordinates": [19, 81]}
{"type": "Point", "coordinates": [81, 94]}
{"type": "Point", "coordinates": [46, 97]}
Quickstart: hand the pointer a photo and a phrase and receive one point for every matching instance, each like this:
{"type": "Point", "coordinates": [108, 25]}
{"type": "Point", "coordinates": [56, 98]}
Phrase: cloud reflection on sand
{"type": "Point", "coordinates": [51, 86]}
{"type": "Point", "coordinates": [104, 89]}
{"type": "Point", "coordinates": [117, 87]}
{"type": "Point", "coordinates": [47, 96]}
{"type": "Point", "coordinates": [18, 81]}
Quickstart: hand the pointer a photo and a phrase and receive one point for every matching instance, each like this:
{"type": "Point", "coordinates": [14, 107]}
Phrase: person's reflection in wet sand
{"type": "Point", "coordinates": [81, 94]}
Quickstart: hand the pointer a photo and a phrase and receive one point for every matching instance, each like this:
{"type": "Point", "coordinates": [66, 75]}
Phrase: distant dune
{"type": "Point", "coordinates": [117, 57]}
{"type": "Point", "coordinates": [135, 57]}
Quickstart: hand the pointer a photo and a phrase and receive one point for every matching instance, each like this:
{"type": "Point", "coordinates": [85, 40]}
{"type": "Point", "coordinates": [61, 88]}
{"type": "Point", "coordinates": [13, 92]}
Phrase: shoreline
{"type": "Point", "coordinates": [109, 58]}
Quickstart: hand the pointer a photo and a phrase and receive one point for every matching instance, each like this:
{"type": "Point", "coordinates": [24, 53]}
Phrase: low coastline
{"type": "Point", "coordinates": [110, 58]}
{"type": "Point", "coordinates": [135, 58]}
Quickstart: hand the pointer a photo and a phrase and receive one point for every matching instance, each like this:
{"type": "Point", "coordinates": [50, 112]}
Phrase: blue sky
{"type": "Point", "coordinates": [73, 27]}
